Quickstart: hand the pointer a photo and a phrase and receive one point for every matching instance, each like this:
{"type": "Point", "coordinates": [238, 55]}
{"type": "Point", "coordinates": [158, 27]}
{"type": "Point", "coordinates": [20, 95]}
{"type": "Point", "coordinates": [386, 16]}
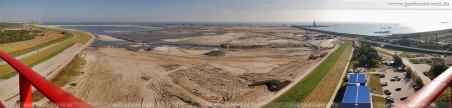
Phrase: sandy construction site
{"type": "Point", "coordinates": [234, 75]}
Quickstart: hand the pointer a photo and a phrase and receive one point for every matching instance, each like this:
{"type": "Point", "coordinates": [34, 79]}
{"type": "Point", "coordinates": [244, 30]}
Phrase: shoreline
{"type": "Point", "coordinates": [108, 38]}
{"type": "Point", "coordinates": [112, 25]}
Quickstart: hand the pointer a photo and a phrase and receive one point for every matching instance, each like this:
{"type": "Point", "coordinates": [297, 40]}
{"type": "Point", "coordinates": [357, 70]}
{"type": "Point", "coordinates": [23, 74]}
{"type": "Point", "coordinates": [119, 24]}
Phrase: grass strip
{"type": "Point", "coordinates": [383, 52]}
{"type": "Point", "coordinates": [374, 84]}
{"type": "Point", "coordinates": [297, 94]}
{"type": "Point", "coordinates": [21, 52]}
{"type": "Point", "coordinates": [65, 76]}
{"type": "Point", "coordinates": [378, 102]}
{"type": "Point", "coordinates": [7, 71]}
{"type": "Point", "coordinates": [14, 73]}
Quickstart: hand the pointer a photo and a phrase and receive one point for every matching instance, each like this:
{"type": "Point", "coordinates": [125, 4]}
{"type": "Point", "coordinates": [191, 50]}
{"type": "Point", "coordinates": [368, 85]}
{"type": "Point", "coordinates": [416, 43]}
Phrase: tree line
{"type": "Point", "coordinates": [366, 56]}
{"type": "Point", "coordinates": [438, 67]}
{"type": "Point", "coordinates": [8, 36]}
{"type": "Point", "coordinates": [6, 25]}
{"type": "Point", "coordinates": [425, 45]}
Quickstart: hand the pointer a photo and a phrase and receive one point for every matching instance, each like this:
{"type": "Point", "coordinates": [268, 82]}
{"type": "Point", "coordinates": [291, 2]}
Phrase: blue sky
{"type": "Point", "coordinates": [214, 11]}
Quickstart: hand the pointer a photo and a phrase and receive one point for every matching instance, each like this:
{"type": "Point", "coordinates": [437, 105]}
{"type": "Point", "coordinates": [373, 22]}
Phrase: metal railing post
{"type": "Point", "coordinates": [427, 94]}
{"type": "Point", "coordinates": [25, 92]}
{"type": "Point", "coordinates": [28, 78]}
{"type": "Point", "coordinates": [2, 105]}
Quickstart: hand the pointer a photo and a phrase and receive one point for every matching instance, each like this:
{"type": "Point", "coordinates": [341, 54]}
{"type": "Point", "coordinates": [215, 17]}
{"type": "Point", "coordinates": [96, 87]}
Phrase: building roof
{"type": "Point", "coordinates": [357, 78]}
{"type": "Point", "coordinates": [357, 94]}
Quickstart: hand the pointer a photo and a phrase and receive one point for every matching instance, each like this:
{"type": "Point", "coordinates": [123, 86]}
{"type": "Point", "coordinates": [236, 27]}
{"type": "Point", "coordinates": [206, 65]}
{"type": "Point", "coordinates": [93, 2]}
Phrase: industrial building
{"type": "Point", "coordinates": [357, 93]}
{"type": "Point", "coordinates": [357, 97]}
{"type": "Point", "coordinates": [357, 80]}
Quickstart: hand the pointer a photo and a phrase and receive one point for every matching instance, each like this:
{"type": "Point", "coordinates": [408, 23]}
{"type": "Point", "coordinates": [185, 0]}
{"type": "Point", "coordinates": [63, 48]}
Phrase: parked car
{"type": "Point", "coordinates": [403, 97]}
{"type": "Point", "coordinates": [398, 89]}
{"type": "Point", "coordinates": [384, 84]}
{"type": "Point", "coordinates": [416, 87]}
{"type": "Point", "coordinates": [390, 99]}
{"type": "Point", "coordinates": [391, 105]}
{"type": "Point", "coordinates": [382, 75]}
{"type": "Point", "coordinates": [398, 79]}
{"type": "Point", "coordinates": [393, 79]}
{"type": "Point", "coordinates": [387, 92]}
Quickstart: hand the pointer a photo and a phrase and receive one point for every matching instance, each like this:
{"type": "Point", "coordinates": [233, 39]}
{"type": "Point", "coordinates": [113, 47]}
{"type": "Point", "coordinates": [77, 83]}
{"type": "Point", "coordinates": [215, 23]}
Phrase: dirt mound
{"type": "Point", "coordinates": [216, 53]}
{"type": "Point", "coordinates": [209, 82]}
{"type": "Point", "coordinates": [169, 76]}
{"type": "Point", "coordinates": [171, 66]}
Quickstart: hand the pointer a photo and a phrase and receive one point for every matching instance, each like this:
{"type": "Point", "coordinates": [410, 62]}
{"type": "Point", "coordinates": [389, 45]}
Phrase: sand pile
{"type": "Point", "coordinates": [108, 38]}
{"type": "Point", "coordinates": [209, 82]}
{"type": "Point", "coordinates": [216, 52]}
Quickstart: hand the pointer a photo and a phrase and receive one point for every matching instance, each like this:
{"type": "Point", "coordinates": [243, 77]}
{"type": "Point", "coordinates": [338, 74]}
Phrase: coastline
{"type": "Point", "coordinates": [114, 25]}
{"type": "Point", "coordinates": [108, 38]}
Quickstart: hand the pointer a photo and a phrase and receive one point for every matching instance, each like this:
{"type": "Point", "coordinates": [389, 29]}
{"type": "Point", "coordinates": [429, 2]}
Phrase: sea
{"type": "Point", "coordinates": [135, 33]}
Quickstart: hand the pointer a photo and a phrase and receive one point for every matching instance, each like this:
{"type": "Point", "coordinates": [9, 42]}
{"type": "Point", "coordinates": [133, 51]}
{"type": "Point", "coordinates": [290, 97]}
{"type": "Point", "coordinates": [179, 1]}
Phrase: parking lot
{"type": "Point", "coordinates": [405, 84]}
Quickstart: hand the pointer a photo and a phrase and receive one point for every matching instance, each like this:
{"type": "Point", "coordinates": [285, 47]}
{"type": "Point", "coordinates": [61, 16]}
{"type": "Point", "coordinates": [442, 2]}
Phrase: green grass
{"type": "Point", "coordinates": [22, 45]}
{"type": "Point", "coordinates": [7, 71]}
{"type": "Point", "coordinates": [383, 52]}
{"type": "Point", "coordinates": [414, 61]}
{"type": "Point", "coordinates": [36, 62]}
{"type": "Point", "coordinates": [424, 35]}
{"type": "Point", "coordinates": [65, 76]}
{"type": "Point", "coordinates": [407, 54]}
{"type": "Point", "coordinates": [297, 94]}
{"type": "Point", "coordinates": [378, 102]}
{"type": "Point", "coordinates": [374, 84]}
{"type": "Point", "coordinates": [18, 53]}
{"type": "Point", "coordinates": [352, 64]}
{"type": "Point", "coordinates": [443, 101]}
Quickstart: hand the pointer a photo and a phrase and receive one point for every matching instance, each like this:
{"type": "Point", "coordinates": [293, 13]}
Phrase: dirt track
{"type": "Point", "coordinates": [175, 77]}
{"type": "Point", "coordinates": [157, 80]}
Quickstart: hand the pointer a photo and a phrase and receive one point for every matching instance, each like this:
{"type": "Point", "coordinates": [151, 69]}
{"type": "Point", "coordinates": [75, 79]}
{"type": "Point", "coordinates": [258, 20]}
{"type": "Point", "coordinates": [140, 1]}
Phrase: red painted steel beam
{"type": "Point", "coordinates": [425, 96]}
{"type": "Point", "coordinates": [26, 101]}
{"type": "Point", "coordinates": [47, 88]}
{"type": "Point", "coordinates": [2, 105]}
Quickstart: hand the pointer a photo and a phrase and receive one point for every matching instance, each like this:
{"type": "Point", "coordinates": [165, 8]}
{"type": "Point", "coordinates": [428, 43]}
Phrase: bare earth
{"type": "Point", "coordinates": [169, 76]}
{"type": "Point", "coordinates": [108, 38]}
{"type": "Point", "coordinates": [9, 88]}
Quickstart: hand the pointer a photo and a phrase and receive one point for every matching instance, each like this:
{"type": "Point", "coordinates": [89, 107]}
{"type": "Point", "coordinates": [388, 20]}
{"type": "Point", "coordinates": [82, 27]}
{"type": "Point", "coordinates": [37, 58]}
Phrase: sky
{"type": "Point", "coordinates": [221, 11]}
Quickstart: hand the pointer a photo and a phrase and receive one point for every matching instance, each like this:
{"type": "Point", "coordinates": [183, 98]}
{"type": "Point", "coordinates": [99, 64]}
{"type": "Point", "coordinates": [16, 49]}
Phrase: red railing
{"type": "Point", "coordinates": [28, 78]}
{"type": "Point", "coordinates": [425, 96]}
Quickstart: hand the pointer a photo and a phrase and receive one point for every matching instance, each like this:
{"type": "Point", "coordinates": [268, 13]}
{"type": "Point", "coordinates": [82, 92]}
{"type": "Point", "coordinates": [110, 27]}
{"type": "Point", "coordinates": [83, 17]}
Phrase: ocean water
{"type": "Point", "coordinates": [152, 40]}
{"type": "Point", "coordinates": [370, 29]}
{"type": "Point", "coordinates": [375, 29]}
{"type": "Point", "coordinates": [343, 27]}
{"type": "Point", "coordinates": [114, 31]}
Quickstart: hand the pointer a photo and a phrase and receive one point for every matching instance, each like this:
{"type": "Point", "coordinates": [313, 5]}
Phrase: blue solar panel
{"type": "Point", "coordinates": [357, 78]}
{"type": "Point", "coordinates": [357, 94]}
{"type": "Point", "coordinates": [350, 94]}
